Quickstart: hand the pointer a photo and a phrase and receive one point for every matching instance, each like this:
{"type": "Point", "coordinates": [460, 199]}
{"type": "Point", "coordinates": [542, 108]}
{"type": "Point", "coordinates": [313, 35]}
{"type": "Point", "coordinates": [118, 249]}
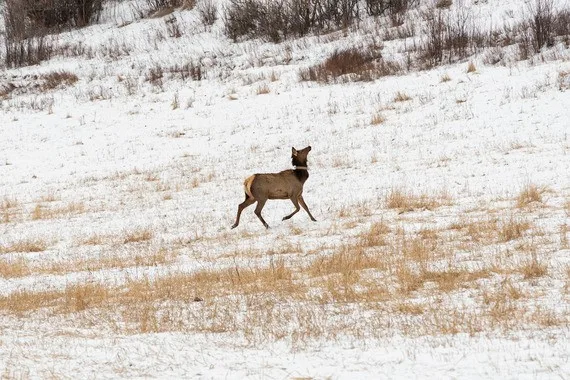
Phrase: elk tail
{"type": "Point", "coordinates": [247, 186]}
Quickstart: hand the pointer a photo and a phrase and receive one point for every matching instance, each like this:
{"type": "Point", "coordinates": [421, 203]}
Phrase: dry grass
{"type": "Point", "coordinates": [377, 119]}
{"type": "Point", "coordinates": [262, 89]}
{"type": "Point", "coordinates": [29, 245]}
{"type": "Point", "coordinates": [41, 212]}
{"type": "Point", "coordinates": [512, 228]}
{"type": "Point", "coordinates": [11, 268]}
{"type": "Point", "coordinates": [445, 78]}
{"type": "Point", "coordinates": [401, 97]}
{"type": "Point", "coordinates": [403, 275]}
{"type": "Point", "coordinates": [376, 235]}
{"type": "Point", "coordinates": [529, 195]}
{"type": "Point", "coordinates": [406, 201]}
{"type": "Point", "coordinates": [137, 236]}
{"type": "Point", "coordinates": [8, 203]}
{"type": "Point", "coordinates": [471, 68]}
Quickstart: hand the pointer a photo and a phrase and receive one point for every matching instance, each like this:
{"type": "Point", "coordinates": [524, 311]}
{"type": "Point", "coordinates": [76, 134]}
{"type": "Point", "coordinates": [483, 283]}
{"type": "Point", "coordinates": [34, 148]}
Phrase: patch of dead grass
{"type": "Point", "coordinates": [42, 212]}
{"type": "Point", "coordinates": [27, 245]}
{"type": "Point", "coordinates": [406, 201]}
{"type": "Point", "coordinates": [529, 195]}
{"type": "Point", "coordinates": [137, 236]}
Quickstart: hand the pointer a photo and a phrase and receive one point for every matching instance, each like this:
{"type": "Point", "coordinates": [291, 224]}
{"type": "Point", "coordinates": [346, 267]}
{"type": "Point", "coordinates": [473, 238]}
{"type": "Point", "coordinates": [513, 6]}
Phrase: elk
{"type": "Point", "coordinates": [287, 184]}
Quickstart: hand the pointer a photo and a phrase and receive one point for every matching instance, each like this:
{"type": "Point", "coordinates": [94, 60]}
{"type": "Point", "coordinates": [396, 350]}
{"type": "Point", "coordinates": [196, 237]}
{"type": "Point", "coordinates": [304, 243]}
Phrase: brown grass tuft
{"type": "Point", "coordinates": [24, 246]}
{"type": "Point", "coordinates": [375, 235]}
{"type": "Point", "coordinates": [12, 268]}
{"type": "Point", "coordinates": [402, 97]}
{"type": "Point", "coordinates": [41, 212]}
{"type": "Point", "coordinates": [405, 201]}
{"type": "Point", "coordinates": [512, 228]}
{"type": "Point", "coordinates": [263, 89]}
{"type": "Point", "coordinates": [531, 194]}
{"type": "Point", "coordinates": [140, 235]}
{"type": "Point", "coordinates": [471, 67]}
{"type": "Point", "coordinates": [377, 119]}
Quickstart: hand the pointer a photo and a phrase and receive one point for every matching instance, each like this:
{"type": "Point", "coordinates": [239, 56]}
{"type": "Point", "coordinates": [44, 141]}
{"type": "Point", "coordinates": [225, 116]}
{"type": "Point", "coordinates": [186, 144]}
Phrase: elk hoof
{"type": "Point", "coordinates": [234, 226]}
{"type": "Point", "coordinates": [313, 219]}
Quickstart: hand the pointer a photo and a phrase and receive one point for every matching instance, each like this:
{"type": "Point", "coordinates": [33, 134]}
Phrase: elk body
{"type": "Point", "coordinates": [287, 184]}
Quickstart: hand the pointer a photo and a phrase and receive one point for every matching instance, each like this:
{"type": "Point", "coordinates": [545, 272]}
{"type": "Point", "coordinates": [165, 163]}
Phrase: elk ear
{"type": "Point", "coordinates": [293, 152]}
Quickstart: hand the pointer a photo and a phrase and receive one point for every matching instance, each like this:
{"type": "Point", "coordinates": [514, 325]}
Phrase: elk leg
{"type": "Point", "coordinates": [248, 202]}
{"type": "Point", "coordinates": [258, 208]}
{"type": "Point", "coordinates": [296, 204]}
{"type": "Point", "coordinates": [304, 205]}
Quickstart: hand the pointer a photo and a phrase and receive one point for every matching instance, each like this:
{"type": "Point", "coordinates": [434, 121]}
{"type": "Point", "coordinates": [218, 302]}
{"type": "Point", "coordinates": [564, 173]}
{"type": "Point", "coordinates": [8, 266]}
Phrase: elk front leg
{"type": "Point", "coordinates": [304, 205]}
{"type": "Point", "coordinates": [297, 208]}
{"type": "Point", "coordinates": [258, 208]}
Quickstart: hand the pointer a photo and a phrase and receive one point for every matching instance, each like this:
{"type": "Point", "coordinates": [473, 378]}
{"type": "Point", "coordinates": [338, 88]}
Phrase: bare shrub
{"type": "Point", "coordinates": [443, 3]}
{"type": "Point", "coordinates": [450, 36]}
{"type": "Point", "coordinates": [351, 65]}
{"type": "Point", "coordinates": [395, 9]}
{"type": "Point", "coordinates": [28, 18]}
{"type": "Point", "coordinates": [57, 79]}
{"type": "Point", "coordinates": [159, 8]}
{"type": "Point", "coordinates": [240, 18]}
{"type": "Point", "coordinates": [208, 11]}
{"type": "Point", "coordinates": [276, 20]}
{"type": "Point", "coordinates": [432, 51]}
{"type": "Point", "coordinates": [541, 22]}
{"type": "Point", "coordinates": [172, 27]}
{"type": "Point", "coordinates": [30, 51]}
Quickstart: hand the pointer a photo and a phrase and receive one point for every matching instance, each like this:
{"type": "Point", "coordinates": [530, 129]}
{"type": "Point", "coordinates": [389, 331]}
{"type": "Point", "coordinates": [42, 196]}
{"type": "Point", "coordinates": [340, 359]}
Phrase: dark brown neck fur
{"type": "Point", "coordinates": [301, 174]}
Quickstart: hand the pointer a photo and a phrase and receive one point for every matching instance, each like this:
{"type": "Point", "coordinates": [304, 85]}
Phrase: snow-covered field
{"type": "Point", "coordinates": [442, 198]}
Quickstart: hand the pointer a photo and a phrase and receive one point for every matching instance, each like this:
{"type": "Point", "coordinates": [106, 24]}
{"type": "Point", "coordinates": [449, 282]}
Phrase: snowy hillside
{"type": "Point", "coordinates": [441, 193]}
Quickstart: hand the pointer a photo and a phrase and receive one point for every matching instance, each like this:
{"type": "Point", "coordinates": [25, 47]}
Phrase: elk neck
{"type": "Point", "coordinates": [301, 173]}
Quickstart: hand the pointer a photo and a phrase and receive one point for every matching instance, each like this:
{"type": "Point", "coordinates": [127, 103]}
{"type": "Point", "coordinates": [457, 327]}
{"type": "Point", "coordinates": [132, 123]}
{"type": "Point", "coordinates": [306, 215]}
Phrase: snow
{"type": "Point", "coordinates": [115, 144]}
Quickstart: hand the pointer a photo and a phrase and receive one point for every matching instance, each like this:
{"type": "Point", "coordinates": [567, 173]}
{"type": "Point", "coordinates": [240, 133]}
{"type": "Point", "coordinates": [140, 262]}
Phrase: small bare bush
{"type": "Point", "coordinates": [443, 4]}
{"type": "Point", "coordinates": [160, 8]}
{"type": "Point", "coordinates": [351, 65]}
{"type": "Point", "coordinates": [57, 79]}
{"type": "Point", "coordinates": [30, 51]}
{"type": "Point", "coordinates": [208, 11]}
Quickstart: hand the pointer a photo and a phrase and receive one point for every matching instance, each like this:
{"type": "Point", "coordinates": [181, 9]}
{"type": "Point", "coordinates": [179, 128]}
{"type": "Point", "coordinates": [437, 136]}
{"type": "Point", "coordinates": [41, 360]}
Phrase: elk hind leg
{"type": "Point", "coordinates": [248, 202]}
